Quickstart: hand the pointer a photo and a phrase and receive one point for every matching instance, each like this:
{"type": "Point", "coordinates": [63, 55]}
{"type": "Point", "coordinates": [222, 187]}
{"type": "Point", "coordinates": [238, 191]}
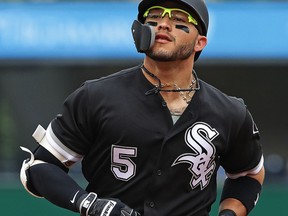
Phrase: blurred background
{"type": "Point", "coordinates": [49, 47]}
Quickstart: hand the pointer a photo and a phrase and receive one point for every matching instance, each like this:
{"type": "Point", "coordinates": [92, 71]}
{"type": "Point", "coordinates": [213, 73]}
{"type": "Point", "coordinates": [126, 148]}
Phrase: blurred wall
{"type": "Point", "coordinates": [32, 95]}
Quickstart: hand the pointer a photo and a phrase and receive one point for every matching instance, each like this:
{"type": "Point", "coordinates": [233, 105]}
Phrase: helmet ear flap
{"type": "Point", "coordinates": [143, 35]}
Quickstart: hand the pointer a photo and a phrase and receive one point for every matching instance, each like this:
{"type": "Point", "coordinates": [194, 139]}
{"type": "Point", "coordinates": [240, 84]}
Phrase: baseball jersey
{"type": "Point", "coordinates": [131, 149]}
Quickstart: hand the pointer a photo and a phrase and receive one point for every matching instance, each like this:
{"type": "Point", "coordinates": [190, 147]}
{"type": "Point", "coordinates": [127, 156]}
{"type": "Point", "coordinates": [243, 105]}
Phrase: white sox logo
{"type": "Point", "coordinates": [198, 137]}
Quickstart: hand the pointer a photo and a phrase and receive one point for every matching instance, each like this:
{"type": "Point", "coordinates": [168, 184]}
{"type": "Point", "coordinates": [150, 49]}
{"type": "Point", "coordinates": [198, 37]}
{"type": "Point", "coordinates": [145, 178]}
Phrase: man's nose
{"type": "Point", "coordinates": [165, 23]}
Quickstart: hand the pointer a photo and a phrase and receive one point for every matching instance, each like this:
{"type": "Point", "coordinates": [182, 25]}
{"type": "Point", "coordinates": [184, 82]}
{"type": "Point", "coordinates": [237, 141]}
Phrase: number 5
{"type": "Point", "coordinates": [122, 166]}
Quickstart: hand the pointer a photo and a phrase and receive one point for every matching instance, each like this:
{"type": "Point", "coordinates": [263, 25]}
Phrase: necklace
{"type": "Point", "coordinates": [186, 94]}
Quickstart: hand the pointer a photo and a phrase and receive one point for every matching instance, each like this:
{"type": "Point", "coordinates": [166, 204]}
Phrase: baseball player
{"type": "Point", "coordinates": [151, 138]}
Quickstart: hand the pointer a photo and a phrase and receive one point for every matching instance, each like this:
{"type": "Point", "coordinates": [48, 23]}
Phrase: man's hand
{"type": "Point", "coordinates": [89, 205]}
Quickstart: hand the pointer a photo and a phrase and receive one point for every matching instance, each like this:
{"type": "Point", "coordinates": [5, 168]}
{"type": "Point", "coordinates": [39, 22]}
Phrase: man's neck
{"type": "Point", "coordinates": [169, 76]}
{"type": "Point", "coordinates": [173, 72]}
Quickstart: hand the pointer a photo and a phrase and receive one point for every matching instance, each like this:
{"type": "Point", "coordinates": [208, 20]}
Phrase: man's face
{"type": "Point", "coordinates": [176, 33]}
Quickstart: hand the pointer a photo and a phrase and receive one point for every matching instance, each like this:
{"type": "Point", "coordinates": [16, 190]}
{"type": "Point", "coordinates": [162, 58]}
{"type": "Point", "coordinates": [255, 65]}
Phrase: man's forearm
{"type": "Point", "coordinates": [241, 197]}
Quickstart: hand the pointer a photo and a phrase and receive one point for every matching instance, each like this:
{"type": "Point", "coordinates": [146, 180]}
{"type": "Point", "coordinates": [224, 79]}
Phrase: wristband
{"type": "Point", "coordinates": [87, 202]}
{"type": "Point", "coordinates": [245, 189]}
{"type": "Point", "coordinates": [227, 212]}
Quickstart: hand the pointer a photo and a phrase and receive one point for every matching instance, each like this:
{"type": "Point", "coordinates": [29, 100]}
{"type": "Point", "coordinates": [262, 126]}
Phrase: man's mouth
{"type": "Point", "coordinates": [162, 38]}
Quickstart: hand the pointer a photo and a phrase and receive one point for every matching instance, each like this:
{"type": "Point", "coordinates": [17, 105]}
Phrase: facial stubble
{"type": "Point", "coordinates": [181, 52]}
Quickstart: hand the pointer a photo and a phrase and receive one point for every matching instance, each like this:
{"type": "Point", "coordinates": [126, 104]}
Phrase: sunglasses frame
{"type": "Point", "coordinates": [169, 12]}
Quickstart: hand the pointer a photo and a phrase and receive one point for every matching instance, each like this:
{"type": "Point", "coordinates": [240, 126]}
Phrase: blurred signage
{"type": "Point", "coordinates": [103, 30]}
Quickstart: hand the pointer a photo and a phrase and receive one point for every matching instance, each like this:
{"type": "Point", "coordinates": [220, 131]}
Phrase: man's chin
{"type": "Point", "coordinates": [161, 57]}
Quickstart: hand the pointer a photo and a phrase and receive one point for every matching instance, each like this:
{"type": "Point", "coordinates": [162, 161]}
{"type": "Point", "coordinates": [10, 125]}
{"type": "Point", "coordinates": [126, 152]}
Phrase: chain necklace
{"type": "Point", "coordinates": [186, 94]}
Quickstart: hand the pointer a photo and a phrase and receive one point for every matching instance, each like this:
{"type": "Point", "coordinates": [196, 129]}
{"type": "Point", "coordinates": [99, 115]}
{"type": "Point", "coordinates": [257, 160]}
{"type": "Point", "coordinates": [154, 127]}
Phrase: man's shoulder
{"type": "Point", "coordinates": [211, 94]}
{"type": "Point", "coordinates": [128, 72]}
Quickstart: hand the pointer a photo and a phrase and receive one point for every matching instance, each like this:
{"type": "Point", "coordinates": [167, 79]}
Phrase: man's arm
{"type": "Point", "coordinates": [43, 176]}
{"type": "Point", "coordinates": [236, 205]}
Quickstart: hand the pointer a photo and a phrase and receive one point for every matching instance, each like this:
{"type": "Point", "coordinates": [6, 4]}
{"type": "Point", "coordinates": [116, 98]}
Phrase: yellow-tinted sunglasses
{"type": "Point", "coordinates": [156, 13]}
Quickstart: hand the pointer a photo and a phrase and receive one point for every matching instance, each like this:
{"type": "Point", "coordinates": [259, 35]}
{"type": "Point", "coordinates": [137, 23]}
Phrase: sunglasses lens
{"type": "Point", "coordinates": [156, 13]}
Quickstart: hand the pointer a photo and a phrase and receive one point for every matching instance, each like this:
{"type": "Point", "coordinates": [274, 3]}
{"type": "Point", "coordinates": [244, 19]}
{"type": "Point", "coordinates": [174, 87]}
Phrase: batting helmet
{"type": "Point", "coordinates": [197, 8]}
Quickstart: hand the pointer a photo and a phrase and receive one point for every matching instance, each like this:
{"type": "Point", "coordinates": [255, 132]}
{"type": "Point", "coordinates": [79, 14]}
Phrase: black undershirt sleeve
{"type": "Point", "coordinates": [53, 183]}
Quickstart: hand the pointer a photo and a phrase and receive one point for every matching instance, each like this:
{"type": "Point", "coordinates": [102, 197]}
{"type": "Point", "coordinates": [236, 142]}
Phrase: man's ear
{"type": "Point", "coordinates": [200, 43]}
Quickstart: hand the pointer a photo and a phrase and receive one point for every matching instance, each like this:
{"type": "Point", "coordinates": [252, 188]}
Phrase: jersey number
{"type": "Point", "coordinates": [122, 166]}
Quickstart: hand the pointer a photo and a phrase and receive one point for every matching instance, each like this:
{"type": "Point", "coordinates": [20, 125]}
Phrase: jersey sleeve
{"type": "Point", "coordinates": [71, 129]}
{"type": "Point", "coordinates": [244, 154]}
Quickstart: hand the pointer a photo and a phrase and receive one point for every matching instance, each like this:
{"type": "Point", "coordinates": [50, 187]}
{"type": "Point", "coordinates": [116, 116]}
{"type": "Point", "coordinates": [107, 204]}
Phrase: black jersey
{"type": "Point", "coordinates": [132, 150]}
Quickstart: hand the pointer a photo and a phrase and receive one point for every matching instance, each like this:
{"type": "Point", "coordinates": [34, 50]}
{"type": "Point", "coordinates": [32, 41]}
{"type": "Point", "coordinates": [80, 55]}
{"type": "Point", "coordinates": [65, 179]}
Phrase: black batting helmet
{"type": "Point", "coordinates": [197, 8]}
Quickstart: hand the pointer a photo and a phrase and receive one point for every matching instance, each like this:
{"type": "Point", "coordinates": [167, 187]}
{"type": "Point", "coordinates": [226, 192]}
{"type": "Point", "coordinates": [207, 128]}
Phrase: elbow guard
{"type": "Point", "coordinates": [24, 173]}
{"type": "Point", "coordinates": [45, 153]}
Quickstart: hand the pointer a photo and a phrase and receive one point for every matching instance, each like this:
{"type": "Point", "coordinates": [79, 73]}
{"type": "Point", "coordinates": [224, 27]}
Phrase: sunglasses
{"type": "Point", "coordinates": [156, 13]}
